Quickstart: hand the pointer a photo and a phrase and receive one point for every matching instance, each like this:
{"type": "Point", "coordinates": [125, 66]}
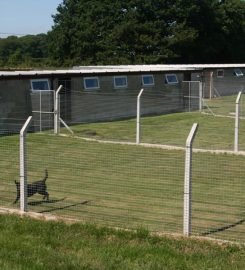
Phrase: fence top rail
{"type": "Point", "coordinates": [41, 91]}
{"type": "Point", "coordinates": [191, 81]}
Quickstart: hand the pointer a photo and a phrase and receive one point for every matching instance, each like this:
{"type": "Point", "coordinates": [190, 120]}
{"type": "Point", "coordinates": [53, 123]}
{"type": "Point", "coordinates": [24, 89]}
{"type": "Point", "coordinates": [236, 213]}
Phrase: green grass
{"type": "Point", "coordinates": [109, 177]}
{"type": "Point", "coordinates": [173, 129]}
{"type": "Point", "coordinates": [224, 105]}
{"type": "Point", "coordinates": [31, 244]}
{"type": "Point", "coordinates": [129, 186]}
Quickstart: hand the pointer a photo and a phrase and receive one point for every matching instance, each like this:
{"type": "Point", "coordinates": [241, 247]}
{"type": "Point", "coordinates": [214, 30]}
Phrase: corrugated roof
{"type": "Point", "coordinates": [117, 69]}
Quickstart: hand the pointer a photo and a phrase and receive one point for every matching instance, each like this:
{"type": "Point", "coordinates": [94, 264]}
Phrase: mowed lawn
{"type": "Point", "coordinates": [171, 129]}
{"type": "Point", "coordinates": [224, 105]}
{"type": "Point", "coordinates": [128, 186]}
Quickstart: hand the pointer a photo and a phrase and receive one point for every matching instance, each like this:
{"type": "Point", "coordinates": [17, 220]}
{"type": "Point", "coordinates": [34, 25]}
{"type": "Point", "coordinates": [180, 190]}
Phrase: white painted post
{"type": "Point", "coordinates": [138, 117]}
{"type": "Point", "coordinates": [23, 175]}
{"type": "Point", "coordinates": [66, 126]}
{"type": "Point", "coordinates": [237, 122]}
{"type": "Point", "coordinates": [57, 111]}
{"type": "Point", "coordinates": [189, 94]}
{"type": "Point", "coordinates": [188, 180]}
{"type": "Point", "coordinates": [200, 96]}
{"type": "Point", "coordinates": [40, 111]}
{"type": "Point", "coordinates": [211, 86]}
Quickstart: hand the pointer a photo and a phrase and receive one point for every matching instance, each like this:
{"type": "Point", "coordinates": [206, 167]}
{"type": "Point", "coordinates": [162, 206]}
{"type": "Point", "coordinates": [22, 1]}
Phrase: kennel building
{"type": "Point", "coordinates": [106, 93]}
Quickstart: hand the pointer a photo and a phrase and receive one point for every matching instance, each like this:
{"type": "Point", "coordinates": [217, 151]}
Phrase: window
{"type": "Point", "coordinates": [238, 72]}
{"type": "Point", "coordinates": [220, 73]}
{"type": "Point", "coordinates": [171, 79]}
{"type": "Point", "coordinates": [91, 83]}
{"type": "Point", "coordinates": [147, 80]}
{"type": "Point", "coordinates": [120, 82]}
{"type": "Point", "coordinates": [40, 85]}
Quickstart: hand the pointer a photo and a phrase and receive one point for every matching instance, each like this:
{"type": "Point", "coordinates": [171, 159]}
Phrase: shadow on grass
{"type": "Point", "coordinates": [221, 229]}
{"type": "Point", "coordinates": [63, 207]}
{"type": "Point", "coordinates": [45, 202]}
{"type": "Point", "coordinates": [36, 203]}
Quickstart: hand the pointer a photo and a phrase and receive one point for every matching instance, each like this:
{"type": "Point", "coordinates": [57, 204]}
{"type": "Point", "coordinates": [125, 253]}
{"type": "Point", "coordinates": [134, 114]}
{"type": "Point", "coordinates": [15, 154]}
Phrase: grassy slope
{"type": "Point", "coordinates": [213, 133]}
{"type": "Point", "coordinates": [31, 244]}
{"type": "Point", "coordinates": [128, 186]}
{"type": "Point", "coordinates": [125, 186]}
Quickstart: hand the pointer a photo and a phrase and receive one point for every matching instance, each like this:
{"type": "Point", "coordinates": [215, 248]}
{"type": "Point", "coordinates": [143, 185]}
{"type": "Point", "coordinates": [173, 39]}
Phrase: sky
{"type": "Point", "coordinates": [22, 17]}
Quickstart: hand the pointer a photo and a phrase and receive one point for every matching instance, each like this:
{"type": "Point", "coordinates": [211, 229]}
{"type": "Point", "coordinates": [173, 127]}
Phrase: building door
{"type": "Point", "coordinates": [65, 99]}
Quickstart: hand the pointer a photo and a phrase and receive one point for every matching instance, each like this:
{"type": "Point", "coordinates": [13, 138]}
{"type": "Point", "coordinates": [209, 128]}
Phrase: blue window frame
{"type": "Point", "coordinates": [91, 83]}
{"type": "Point", "coordinates": [148, 80]}
{"type": "Point", "coordinates": [40, 85]}
{"type": "Point", "coordinates": [171, 79]}
{"type": "Point", "coordinates": [120, 82]}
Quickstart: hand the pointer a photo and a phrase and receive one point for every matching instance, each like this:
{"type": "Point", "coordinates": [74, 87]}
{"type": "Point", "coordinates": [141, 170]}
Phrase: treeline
{"type": "Point", "coordinates": [24, 52]}
{"type": "Point", "coordinates": [102, 32]}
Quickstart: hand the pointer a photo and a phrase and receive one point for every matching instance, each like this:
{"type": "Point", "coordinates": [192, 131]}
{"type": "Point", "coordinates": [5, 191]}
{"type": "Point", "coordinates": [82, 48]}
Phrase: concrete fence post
{"type": "Point", "coordinates": [138, 128]}
{"type": "Point", "coordinates": [200, 96]}
{"type": "Point", "coordinates": [57, 111]}
{"type": "Point", "coordinates": [236, 139]}
{"type": "Point", "coordinates": [23, 173]}
{"type": "Point", "coordinates": [40, 111]}
{"type": "Point", "coordinates": [188, 180]}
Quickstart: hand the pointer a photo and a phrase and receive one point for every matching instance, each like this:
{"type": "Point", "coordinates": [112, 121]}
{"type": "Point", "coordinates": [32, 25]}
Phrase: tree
{"type": "Point", "coordinates": [26, 51]}
{"type": "Point", "coordinates": [15, 59]}
{"type": "Point", "coordinates": [219, 28]}
{"type": "Point", "coordinates": [232, 24]}
{"type": "Point", "coordinates": [107, 32]}
{"type": "Point", "coordinates": [116, 32]}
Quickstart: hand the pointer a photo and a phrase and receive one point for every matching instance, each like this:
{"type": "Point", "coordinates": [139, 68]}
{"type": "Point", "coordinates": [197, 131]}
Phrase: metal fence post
{"type": "Point", "coordinates": [40, 109]}
{"type": "Point", "coordinates": [23, 175]}
{"type": "Point", "coordinates": [200, 96]}
{"type": "Point", "coordinates": [138, 135]}
{"type": "Point", "coordinates": [188, 180]}
{"type": "Point", "coordinates": [237, 122]}
{"type": "Point", "coordinates": [57, 111]}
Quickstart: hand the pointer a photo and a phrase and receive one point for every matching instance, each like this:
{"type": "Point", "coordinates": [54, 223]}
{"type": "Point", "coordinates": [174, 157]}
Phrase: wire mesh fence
{"type": "Point", "coordinates": [163, 117]}
{"type": "Point", "coordinates": [9, 161]}
{"type": "Point", "coordinates": [117, 185]}
{"type": "Point", "coordinates": [111, 115]}
{"type": "Point", "coordinates": [218, 202]}
{"type": "Point", "coordinates": [9, 126]}
{"type": "Point", "coordinates": [121, 184]}
{"type": "Point", "coordinates": [98, 107]}
{"type": "Point", "coordinates": [43, 109]}
{"type": "Point", "coordinates": [220, 106]}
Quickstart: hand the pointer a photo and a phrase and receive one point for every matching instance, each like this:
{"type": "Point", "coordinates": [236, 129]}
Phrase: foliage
{"type": "Point", "coordinates": [149, 31]}
{"type": "Point", "coordinates": [33, 244]}
{"type": "Point", "coordinates": [120, 32]}
{"type": "Point", "coordinates": [134, 32]}
{"type": "Point", "coordinates": [220, 31]}
{"type": "Point", "coordinates": [26, 51]}
{"type": "Point", "coordinates": [128, 186]}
